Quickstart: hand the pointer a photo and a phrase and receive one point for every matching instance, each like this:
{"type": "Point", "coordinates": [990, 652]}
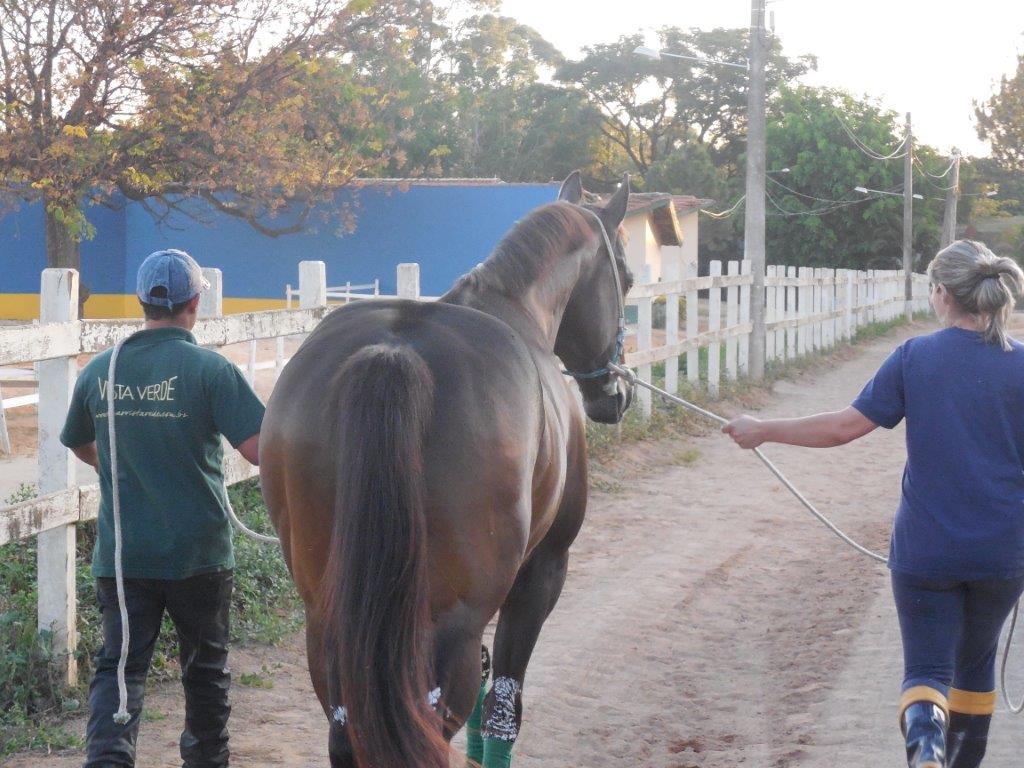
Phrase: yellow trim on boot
{"type": "Point", "coordinates": [972, 702]}
{"type": "Point", "coordinates": [922, 693]}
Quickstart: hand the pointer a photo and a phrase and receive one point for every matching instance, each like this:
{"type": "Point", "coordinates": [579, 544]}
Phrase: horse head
{"type": "Point", "coordinates": [590, 335]}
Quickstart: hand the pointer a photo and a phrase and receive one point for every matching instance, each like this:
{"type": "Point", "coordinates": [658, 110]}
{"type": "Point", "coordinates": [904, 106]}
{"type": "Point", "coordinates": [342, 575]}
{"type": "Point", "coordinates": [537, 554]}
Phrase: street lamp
{"type": "Point", "coordinates": [651, 53]}
{"type": "Point", "coordinates": [865, 190]}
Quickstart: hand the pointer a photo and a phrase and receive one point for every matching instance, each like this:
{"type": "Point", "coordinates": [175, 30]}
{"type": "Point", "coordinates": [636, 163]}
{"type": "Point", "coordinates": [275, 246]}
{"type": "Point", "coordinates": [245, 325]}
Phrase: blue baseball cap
{"type": "Point", "coordinates": [174, 271]}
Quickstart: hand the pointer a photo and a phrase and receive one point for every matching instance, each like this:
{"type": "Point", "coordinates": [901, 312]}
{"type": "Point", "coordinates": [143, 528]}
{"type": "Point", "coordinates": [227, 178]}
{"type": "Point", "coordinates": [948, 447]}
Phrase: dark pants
{"type": "Point", "coordinates": [199, 607]}
{"type": "Point", "coordinates": [951, 630]}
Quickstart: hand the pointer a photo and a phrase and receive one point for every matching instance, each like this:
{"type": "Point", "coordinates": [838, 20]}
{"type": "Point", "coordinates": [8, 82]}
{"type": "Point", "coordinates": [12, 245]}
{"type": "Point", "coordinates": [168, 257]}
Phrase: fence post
{"type": "Point", "coordinates": [816, 307]}
{"type": "Point", "coordinates": [731, 318]}
{"type": "Point", "coordinates": [804, 309]}
{"type": "Point", "coordinates": [644, 319]}
{"type": "Point", "coordinates": [211, 301]}
{"type": "Point", "coordinates": [672, 338]}
{"type": "Point", "coordinates": [671, 265]}
{"type": "Point", "coordinates": [409, 281]}
{"type": "Point", "coordinates": [745, 269]}
{"type": "Point", "coordinates": [780, 314]}
{"type": "Point", "coordinates": [770, 316]}
{"type": "Point", "coordinates": [872, 286]}
{"type": "Point", "coordinates": [792, 312]}
{"type": "Point", "coordinates": [312, 284]}
{"type": "Point", "coordinates": [692, 326]}
{"type": "Point", "coordinates": [55, 549]}
{"type": "Point", "coordinates": [714, 324]}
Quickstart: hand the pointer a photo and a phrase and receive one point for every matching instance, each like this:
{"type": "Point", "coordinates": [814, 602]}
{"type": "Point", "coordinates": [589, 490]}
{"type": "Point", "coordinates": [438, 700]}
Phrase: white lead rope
{"type": "Point", "coordinates": [122, 716]}
{"type": "Point", "coordinates": [631, 377]}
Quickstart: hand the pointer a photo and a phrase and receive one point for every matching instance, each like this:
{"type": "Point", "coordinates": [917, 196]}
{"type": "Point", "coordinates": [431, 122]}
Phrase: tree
{"type": "Point", "coordinates": [252, 105]}
{"type": "Point", "coordinates": [650, 108]}
{"type": "Point", "coordinates": [1001, 120]}
{"type": "Point", "coordinates": [815, 216]}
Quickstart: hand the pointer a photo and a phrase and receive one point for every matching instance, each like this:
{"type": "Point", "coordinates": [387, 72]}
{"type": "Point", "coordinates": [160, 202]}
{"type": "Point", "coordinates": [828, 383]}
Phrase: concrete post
{"type": "Point", "coordinates": [55, 556]}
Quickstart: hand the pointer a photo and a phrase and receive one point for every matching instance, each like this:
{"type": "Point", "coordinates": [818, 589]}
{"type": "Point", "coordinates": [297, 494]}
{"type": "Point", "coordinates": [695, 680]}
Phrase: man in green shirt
{"type": "Point", "coordinates": [174, 400]}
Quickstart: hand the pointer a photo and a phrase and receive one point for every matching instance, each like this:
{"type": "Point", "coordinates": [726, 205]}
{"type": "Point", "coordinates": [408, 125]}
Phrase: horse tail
{"type": "Point", "coordinates": [375, 591]}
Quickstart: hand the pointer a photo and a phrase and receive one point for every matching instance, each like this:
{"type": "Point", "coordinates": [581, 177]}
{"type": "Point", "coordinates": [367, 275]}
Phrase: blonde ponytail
{"type": "Point", "coordinates": [980, 283]}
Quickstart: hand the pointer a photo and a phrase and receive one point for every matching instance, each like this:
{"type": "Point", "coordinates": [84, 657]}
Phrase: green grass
{"type": "Point", "coordinates": [34, 705]}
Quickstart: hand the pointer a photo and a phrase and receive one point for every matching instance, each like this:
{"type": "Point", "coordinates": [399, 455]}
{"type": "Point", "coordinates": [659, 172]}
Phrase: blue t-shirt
{"type": "Point", "coordinates": [962, 509]}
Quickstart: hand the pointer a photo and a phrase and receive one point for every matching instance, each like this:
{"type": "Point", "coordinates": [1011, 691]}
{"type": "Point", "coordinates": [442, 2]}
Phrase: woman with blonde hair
{"type": "Point", "coordinates": [957, 548]}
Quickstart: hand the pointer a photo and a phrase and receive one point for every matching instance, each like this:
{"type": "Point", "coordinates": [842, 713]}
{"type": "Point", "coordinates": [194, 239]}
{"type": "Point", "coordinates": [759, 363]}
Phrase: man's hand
{"type": "Point", "coordinates": [746, 431]}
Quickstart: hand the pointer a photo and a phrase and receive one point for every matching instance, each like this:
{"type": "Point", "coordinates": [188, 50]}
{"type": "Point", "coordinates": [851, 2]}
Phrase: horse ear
{"type": "Point", "coordinates": [572, 189]}
{"type": "Point", "coordinates": [615, 211]}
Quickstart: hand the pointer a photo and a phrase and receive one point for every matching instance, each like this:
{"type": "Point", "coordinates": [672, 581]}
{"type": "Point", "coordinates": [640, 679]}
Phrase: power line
{"type": "Point", "coordinates": [812, 197]}
{"type": "Point", "coordinates": [819, 211]}
{"type": "Point", "coordinates": [726, 213]}
{"type": "Point", "coordinates": [937, 187]}
{"type": "Point", "coordinates": [896, 153]}
{"type": "Point", "coordinates": [942, 175]}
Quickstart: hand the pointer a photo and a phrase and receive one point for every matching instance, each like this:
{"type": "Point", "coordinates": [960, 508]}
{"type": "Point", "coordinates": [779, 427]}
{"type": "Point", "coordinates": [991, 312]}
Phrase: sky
{"type": "Point", "coordinates": [932, 58]}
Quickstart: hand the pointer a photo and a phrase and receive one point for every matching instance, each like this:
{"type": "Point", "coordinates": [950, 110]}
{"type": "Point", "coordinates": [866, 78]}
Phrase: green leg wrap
{"type": "Point", "coordinates": [497, 753]}
{"type": "Point", "coordinates": [474, 740]}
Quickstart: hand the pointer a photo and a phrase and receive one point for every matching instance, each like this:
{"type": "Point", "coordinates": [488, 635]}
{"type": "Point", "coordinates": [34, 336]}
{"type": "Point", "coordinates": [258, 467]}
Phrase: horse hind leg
{"type": "Point", "coordinates": [457, 671]}
{"type": "Point", "coordinates": [339, 747]}
{"type": "Point", "coordinates": [526, 607]}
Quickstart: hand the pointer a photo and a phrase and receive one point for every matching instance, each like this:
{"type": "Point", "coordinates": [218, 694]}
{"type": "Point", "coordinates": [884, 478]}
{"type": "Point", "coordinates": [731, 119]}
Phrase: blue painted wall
{"type": "Point", "coordinates": [23, 248]}
{"type": "Point", "coordinates": [447, 229]}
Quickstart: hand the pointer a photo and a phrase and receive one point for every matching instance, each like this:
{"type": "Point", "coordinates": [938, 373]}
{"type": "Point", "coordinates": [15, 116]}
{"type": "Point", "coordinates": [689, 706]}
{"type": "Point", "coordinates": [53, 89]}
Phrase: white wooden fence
{"type": "Point", "coordinates": [808, 311]}
{"type": "Point", "coordinates": [344, 293]}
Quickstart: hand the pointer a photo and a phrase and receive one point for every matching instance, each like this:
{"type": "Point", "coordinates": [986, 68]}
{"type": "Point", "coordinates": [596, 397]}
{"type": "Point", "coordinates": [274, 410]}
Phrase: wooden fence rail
{"type": "Point", "coordinates": [807, 310]}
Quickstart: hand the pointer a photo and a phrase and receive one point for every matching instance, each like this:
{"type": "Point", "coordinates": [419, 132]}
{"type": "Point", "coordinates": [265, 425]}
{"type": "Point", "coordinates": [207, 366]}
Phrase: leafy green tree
{"type": "Point", "coordinates": [651, 108]}
{"type": "Point", "coordinates": [815, 216]}
{"type": "Point", "coordinates": [248, 104]}
{"type": "Point", "coordinates": [1001, 120]}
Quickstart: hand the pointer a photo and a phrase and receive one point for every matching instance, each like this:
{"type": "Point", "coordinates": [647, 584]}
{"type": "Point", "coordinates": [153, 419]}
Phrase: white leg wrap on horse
{"type": "Point", "coordinates": [340, 714]}
{"type": "Point", "coordinates": [501, 723]}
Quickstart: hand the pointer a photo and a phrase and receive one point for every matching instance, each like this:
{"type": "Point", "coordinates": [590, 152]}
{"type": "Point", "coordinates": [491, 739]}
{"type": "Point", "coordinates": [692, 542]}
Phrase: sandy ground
{"type": "Point", "coordinates": [707, 622]}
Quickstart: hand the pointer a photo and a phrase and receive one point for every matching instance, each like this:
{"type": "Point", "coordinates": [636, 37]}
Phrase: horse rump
{"type": "Point", "coordinates": [375, 601]}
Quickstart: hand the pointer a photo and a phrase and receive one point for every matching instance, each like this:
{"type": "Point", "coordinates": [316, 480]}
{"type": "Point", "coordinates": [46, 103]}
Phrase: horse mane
{"type": "Point", "coordinates": [522, 256]}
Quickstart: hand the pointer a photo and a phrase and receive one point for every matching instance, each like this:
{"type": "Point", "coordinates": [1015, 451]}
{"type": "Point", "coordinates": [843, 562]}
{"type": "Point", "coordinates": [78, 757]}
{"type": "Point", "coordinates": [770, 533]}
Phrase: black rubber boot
{"type": "Point", "coordinates": [924, 727]}
{"type": "Point", "coordinates": [966, 739]}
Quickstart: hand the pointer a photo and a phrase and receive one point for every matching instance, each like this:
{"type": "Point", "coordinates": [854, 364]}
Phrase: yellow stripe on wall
{"type": "Point", "coordinates": [25, 306]}
{"type": "Point", "coordinates": [19, 306]}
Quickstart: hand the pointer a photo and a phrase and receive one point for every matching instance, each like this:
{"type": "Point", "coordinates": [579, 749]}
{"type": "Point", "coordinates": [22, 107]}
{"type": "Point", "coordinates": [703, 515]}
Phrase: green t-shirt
{"type": "Point", "coordinates": [174, 401]}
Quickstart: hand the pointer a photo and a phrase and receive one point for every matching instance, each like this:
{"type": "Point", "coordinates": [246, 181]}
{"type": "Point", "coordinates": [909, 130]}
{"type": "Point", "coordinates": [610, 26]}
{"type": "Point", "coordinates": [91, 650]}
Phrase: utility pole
{"type": "Point", "coordinates": [952, 196]}
{"type": "Point", "coordinates": [753, 230]}
{"type": "Point", "coordinates": [908, 222]}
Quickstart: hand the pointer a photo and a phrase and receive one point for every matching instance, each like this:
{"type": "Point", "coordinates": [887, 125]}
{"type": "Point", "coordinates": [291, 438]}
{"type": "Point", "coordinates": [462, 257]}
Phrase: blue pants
{"type": "Point", "coordinates": [951, 629]}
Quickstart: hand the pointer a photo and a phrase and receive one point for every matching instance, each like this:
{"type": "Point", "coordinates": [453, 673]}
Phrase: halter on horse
{"type": "Point", "coordinates": [425, 467]}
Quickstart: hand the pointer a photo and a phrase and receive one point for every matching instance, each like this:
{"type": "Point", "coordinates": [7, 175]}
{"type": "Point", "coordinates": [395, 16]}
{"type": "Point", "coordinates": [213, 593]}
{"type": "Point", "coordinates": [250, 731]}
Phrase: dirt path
{"type": "Point", "coordinates": [707, 621]}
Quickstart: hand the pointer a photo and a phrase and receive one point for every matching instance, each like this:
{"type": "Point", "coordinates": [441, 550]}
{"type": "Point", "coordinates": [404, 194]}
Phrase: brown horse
{"type": "Point", "coordinates": [425, 466]}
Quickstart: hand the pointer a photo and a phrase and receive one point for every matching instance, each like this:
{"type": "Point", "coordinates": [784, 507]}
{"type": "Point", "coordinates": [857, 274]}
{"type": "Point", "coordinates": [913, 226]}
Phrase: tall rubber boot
{"type": "Point", "coordinates": [967, 739]}
{"type": "Point", "coordinates": [924, 728]}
